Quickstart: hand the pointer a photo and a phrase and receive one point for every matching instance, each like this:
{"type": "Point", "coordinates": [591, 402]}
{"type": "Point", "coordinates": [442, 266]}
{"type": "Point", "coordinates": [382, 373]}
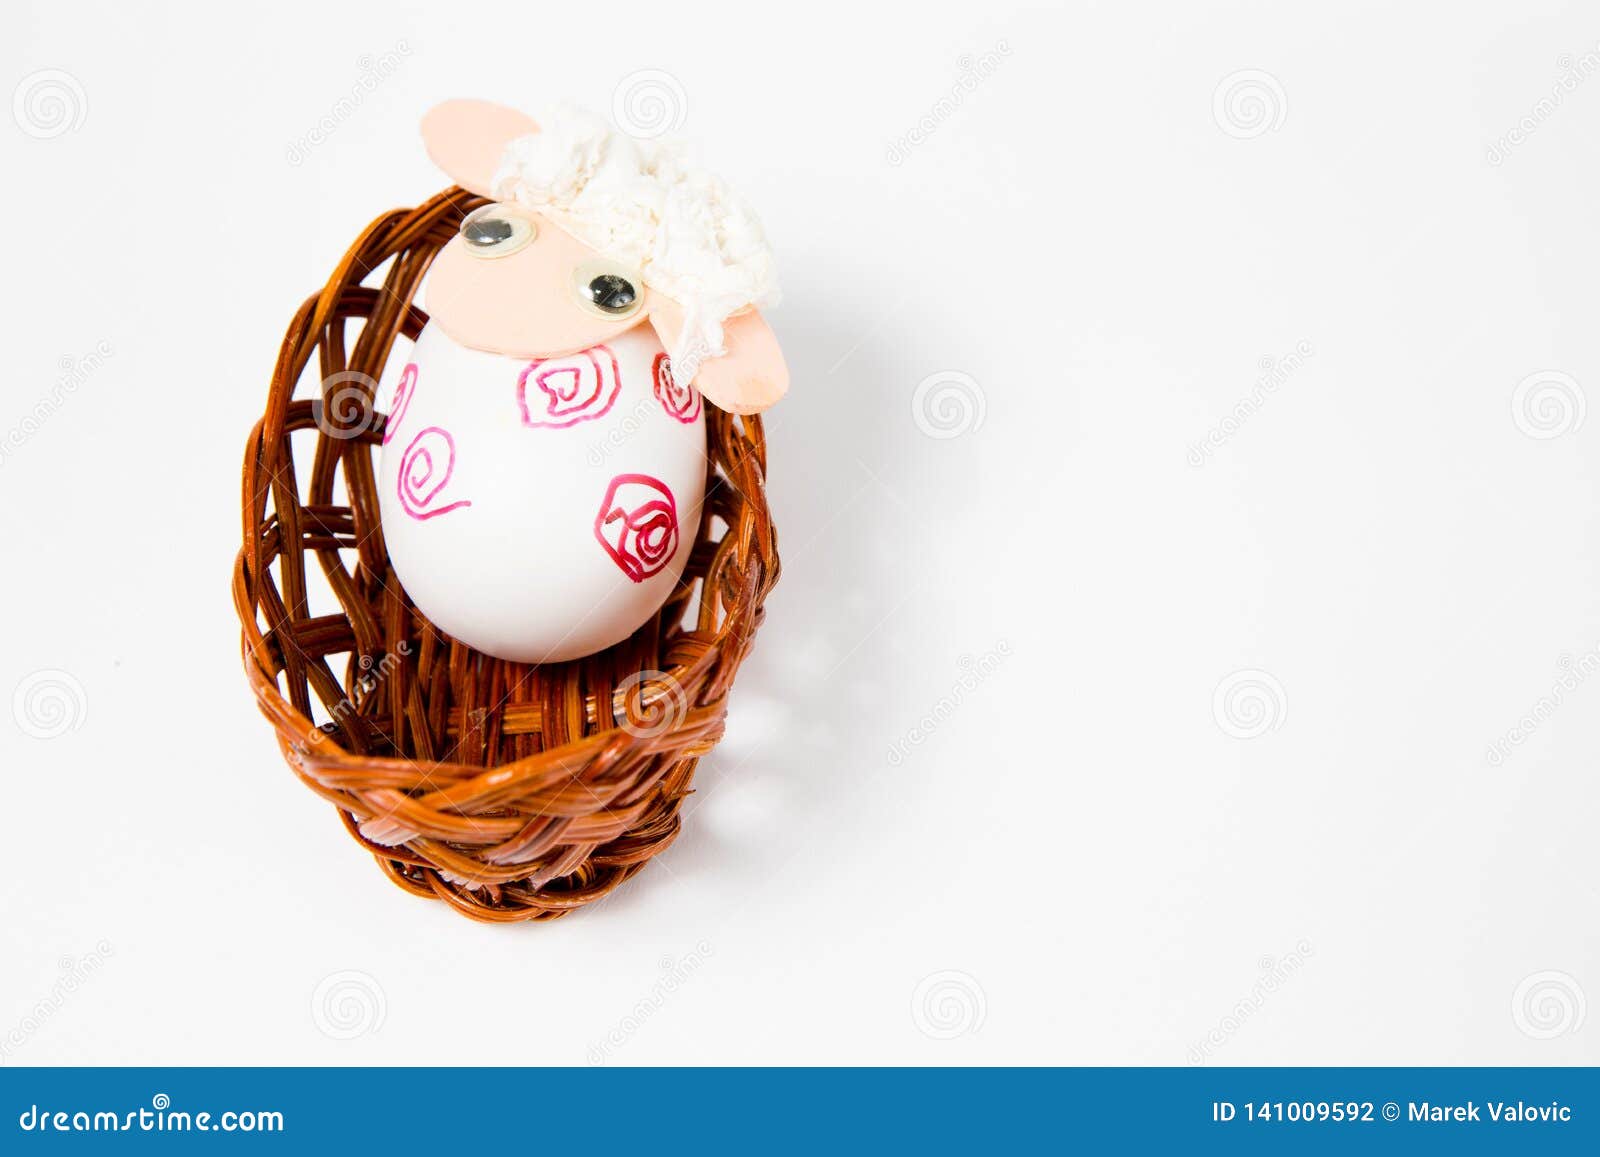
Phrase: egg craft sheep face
{"type": "Point", "coordinates": [544, 455]}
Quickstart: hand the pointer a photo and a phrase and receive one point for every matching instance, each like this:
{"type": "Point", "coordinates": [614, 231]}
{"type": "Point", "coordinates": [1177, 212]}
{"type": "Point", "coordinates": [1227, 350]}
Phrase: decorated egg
{"type": "Point", "coordinates": [540, 510]}
{"type": "Point", "coordinates": [544, 453]}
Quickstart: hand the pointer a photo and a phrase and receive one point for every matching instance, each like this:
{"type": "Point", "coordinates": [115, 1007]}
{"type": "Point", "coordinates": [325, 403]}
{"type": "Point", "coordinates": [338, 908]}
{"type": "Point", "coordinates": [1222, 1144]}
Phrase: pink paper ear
{"type": "Point", "coordinates": [466, 138]}
{"type": "Point", "coordinates": [751, 376]}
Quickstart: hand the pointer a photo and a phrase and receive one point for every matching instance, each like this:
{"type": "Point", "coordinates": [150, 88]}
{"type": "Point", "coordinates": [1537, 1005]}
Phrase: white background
{"type": "Point", "coordinates": [1097, 846]}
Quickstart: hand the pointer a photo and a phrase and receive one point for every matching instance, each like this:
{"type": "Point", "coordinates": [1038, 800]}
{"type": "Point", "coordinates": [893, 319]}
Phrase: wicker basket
{"type": "Point", "coordinates": [512, 792]}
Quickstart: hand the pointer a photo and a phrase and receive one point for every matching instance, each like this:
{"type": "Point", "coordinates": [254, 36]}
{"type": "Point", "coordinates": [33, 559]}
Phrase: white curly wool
{"type": "Point", "coordinates": [689, 235]}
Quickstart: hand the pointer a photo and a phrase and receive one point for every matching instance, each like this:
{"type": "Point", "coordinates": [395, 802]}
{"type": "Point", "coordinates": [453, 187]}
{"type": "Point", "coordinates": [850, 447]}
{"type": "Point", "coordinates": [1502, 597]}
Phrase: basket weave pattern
{"type": "Point", "coordinates": [510, 791]}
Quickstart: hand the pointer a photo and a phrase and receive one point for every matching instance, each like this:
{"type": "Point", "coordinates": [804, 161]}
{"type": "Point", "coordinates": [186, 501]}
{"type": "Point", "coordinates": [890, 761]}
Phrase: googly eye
{"type": "Point", "coordinates": [608, 288]}
{"type": "Point", "coordinates": [496, 231]}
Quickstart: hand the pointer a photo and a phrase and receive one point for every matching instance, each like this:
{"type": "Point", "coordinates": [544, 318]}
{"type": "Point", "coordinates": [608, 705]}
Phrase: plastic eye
{"type": "Point", "coordinates": [496, 231]}
{"type": "Point", "coordinates": [607, 288]}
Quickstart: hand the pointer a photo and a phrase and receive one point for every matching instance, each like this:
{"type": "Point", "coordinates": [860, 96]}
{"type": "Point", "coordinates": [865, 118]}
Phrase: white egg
{"type": "Point", "coordinates": [543, 510]}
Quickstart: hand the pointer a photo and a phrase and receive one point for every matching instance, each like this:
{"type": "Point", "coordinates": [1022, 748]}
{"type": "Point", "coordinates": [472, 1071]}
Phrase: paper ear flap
{"type": "Point", "coordinates": [749, 377]}
{"type": "Point", "coordinates": [466, 138]}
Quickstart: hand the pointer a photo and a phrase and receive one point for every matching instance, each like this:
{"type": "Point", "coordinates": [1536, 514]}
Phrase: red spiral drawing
{"type": "Point", "coordinates": [425, 470]}
{"type": "Point", "coordinates": [559, 392]}
{"type": "Point", "coordinates": [638, 525]}
{"type": "Point", "coordinates": [402, 399]}
{"type": "Point", "coordinates": [682, 402]}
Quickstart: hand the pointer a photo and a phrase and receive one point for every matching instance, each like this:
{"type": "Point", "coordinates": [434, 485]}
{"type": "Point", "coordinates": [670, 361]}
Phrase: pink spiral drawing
{"type": "Point", "coordinates": [682, 402]}
{"type": "Point", "coordinates": [402, 399]}
{"type": "Point", "coordinates": [559, 392]}
{"type": "Point", "coordinates": [638, 525]}
{"type": "Point", "coordinates": [425, 470]}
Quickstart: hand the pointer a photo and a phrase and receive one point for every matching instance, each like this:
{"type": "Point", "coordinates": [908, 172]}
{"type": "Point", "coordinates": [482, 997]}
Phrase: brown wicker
{"type": "Point", "coordinates": [512, 792]}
